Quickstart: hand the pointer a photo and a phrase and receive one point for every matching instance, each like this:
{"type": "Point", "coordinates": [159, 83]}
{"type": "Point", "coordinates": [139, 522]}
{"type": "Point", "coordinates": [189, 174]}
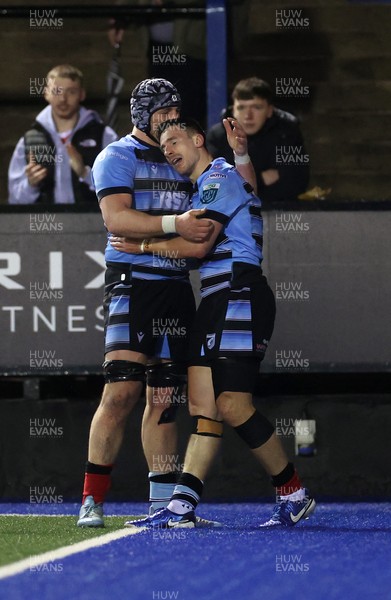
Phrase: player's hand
{"type": "Point", "coordinates": [76, 161]}
{"type": "Point", "coordinates": [192, 227]}
{"type": "Point", "coordinates": [236, 136]}
{"type": "Point", "coordinates": [35, 173]}
{"type": "Point", "coordinates": [122, 244]}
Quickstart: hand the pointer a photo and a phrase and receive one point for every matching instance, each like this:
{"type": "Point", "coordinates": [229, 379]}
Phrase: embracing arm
{"type": "Point", "coordinates": [122, 220]}
{"type": "Point", "coordinates": [174, 247]}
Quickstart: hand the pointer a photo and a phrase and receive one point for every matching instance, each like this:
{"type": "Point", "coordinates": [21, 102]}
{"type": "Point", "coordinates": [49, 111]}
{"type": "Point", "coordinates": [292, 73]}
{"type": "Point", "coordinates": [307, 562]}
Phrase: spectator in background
{"type": "Point", "coordinates": [275, 143]}
{"type": "Point", "coordinates": [52, 161]}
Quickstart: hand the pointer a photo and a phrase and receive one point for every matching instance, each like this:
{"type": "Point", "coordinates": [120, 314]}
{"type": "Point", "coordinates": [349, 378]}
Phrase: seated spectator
{"type": "Point", "coordinates": [275, 143]}
{"type": "Point", "coordinates": [52, 161]}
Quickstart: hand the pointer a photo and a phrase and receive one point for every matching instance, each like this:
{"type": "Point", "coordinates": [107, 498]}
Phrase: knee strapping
{"type": "Point", "coordinates": [207, 427]}
{"type": "Point", "coordinates": [123, 370]}
{"type": "Point", "coordinates": [170, 374]}
{"type": "Point", "coordinates": [255, 431]}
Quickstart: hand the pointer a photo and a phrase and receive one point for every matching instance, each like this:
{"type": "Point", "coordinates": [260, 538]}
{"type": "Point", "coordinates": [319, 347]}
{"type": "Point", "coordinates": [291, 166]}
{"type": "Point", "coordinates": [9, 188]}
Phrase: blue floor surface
{"type": "Point", "coordinates": [342, 552]}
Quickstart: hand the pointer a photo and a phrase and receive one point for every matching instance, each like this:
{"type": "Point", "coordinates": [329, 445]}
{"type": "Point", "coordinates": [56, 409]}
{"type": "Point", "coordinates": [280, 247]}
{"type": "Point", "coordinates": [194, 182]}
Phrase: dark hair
{"type": "Point", "coordinates": [246, 89]}
{"type": "Point", "coordinates": [182, 123]}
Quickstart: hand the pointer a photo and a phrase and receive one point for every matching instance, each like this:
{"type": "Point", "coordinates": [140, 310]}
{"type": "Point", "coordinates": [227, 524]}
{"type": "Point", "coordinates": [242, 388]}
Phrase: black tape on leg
{"type": "Point", "coordinates": [168, 375]}
{"type": "Point", "coordinates": [163, 375]}
{"type": "Point", "coordinates": [255, 431]}
{"type": "Point", "coordinates": [123, 370]}
{"type": "Point", "coordinates": [168, 415]}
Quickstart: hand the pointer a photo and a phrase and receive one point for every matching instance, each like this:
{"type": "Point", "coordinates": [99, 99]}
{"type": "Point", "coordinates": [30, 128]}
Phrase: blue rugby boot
{"type": "Point", "coordinates": [201, 523]}
{"type": "Point", "coordinates": [289, 510]}
{"type": "Point", "coordinates": [164, 519]}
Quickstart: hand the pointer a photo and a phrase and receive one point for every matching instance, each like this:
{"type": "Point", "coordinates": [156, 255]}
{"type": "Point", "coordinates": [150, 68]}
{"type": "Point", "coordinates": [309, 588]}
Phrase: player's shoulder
{"type": "Point", "coordinates": [216, 175]}
{"type": "Point", "coordinates": [219, 170]}
{"type": "Point", "coordinates": [223, 173]}
{"type": "Point", "coordinates": [215, 181]}
{"type": "Point", "coordinates": [119, 150]}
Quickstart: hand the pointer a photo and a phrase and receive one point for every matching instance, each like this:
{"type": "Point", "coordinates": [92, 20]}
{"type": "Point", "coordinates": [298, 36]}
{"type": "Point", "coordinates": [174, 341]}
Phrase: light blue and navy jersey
{"type": "Point", "coordinates": [229, 200]}
{"type": "Point", "coordinates": [133, 167]}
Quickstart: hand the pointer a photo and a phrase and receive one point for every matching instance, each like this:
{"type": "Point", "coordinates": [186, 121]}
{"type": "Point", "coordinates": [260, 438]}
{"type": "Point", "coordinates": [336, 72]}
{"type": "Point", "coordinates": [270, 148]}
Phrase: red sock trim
{"type": "Point", "coordinates": [96, 486]}
{"type": "Point", "coordinates": [290, 487]}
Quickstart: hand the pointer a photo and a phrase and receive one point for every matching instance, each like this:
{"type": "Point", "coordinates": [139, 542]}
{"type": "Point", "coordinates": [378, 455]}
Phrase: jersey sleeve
{"type": "Point", "coordinates": [113, 171]}
{"type": "Point", "coordinates": [220, 195]}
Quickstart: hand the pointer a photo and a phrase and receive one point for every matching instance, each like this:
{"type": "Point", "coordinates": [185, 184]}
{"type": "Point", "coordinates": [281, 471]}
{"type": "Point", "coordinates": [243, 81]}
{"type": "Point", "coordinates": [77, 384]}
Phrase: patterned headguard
{"type": "Point", "coordinates": [149, 96]}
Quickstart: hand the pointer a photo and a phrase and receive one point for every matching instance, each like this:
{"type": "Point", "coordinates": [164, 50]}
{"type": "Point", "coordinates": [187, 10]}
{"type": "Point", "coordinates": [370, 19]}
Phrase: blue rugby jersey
{"type": "Point", "coordinates": [229, 200]}
{"type": "Point", "coordinates": [137, 168]}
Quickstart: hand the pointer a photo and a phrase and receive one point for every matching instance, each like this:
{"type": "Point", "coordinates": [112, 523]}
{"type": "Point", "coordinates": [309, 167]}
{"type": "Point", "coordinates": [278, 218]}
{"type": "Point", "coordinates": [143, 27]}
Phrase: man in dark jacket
{"type": "Point", "coordinates": [275, 143]}
{"type": "Point", "coordinates": [52, 161]}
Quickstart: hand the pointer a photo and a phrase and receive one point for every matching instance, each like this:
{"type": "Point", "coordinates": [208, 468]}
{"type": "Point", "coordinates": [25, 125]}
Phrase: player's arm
{"type": "Point", "coordinates": [122, 220]}
{"type": "Point", "coordinates": [174, 247]}
{"type": "Point", "coordinates": [237, 139]}
{"type": "Point", "coordinates": [113, 175]}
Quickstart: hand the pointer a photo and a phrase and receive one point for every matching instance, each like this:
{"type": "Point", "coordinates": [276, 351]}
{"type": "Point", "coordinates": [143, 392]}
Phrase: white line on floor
{"type": "Point", "coordinates": [33, 562]}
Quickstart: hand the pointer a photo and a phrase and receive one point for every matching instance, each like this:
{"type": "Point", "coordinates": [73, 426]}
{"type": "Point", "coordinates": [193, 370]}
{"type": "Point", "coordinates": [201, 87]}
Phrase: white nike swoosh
{"type": "Point", "coordinates": [185, 523]}
{"type": "Point", "coordinates": [171, 523]}
{"type": "Point", "coordinates": [296, 518]}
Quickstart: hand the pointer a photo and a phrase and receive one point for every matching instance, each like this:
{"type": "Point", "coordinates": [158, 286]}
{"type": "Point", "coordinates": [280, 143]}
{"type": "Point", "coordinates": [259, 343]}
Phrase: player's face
{"type": "Point", "coordinates": [252, 114]}
{"type": "Point", "coordinates": [179, 149]}
{"type": "Point", "coordinates": [162, 115]}
{"type": "Point", "coordinates": [64, 96]}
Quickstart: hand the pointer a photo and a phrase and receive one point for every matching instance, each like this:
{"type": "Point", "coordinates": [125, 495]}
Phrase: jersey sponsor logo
{"type": "Point", "coordinates": [209, 192]}
{"type": "Point", "coordinates": [217, 176]}
{"type": "Point", "coordinates": [103, 155]}
{"type": "Point", "coordinates": [210, 340]}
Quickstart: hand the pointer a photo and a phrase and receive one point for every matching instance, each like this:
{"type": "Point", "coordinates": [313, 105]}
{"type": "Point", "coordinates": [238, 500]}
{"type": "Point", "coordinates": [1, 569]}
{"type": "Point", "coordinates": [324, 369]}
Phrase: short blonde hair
{"type": "Point", "coordinates": [67, 72]}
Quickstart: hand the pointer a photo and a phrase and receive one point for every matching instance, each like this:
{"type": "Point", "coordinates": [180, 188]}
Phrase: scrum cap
{"type": "Point", "coordinates": [149, 96]}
